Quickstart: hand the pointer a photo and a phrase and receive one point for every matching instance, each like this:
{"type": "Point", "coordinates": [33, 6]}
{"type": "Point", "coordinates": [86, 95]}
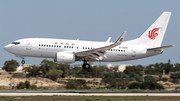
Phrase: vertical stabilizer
{"type": "Point", "coordinates": [154, 35]}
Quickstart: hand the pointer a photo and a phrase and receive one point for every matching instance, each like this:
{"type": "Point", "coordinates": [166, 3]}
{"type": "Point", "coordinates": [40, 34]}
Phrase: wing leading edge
{"type": "Point", "coordinates": [96, 53]}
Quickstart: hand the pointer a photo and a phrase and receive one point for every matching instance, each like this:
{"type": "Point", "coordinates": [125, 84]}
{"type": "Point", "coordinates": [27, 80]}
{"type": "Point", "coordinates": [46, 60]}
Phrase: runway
{"type": "Point", "coordinates": [87, 93]}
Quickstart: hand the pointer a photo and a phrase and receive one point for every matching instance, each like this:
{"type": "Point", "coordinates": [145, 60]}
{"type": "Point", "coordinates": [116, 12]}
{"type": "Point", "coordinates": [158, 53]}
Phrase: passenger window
{"type": "Point", "coordinates": [64, 46]}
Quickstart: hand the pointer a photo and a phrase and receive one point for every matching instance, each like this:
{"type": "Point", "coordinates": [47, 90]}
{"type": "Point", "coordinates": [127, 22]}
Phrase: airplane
{"type": "Point", "coordinates": [70, 51]}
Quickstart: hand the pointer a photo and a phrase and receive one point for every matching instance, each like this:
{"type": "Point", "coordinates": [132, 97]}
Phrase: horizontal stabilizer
{"type": "Point", "coordinates": [159, 48]}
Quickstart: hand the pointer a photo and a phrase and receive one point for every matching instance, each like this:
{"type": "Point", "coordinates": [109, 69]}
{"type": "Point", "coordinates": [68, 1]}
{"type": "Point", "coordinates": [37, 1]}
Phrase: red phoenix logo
{"type": "Point", "coordinates": [120, 39]}
{"type": "Point", "coordinates": [152, 33]}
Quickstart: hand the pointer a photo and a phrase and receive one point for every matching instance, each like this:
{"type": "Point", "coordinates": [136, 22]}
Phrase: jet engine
{"type": "Point", "coordinates": [64, 57]}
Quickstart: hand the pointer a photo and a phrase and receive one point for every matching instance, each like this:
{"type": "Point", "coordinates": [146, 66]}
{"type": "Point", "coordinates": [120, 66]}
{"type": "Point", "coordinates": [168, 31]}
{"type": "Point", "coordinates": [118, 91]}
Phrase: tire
{"type": "Point", "coordinates": [23, 62]}
{"type": "Point", "coordinates": [85, 66]}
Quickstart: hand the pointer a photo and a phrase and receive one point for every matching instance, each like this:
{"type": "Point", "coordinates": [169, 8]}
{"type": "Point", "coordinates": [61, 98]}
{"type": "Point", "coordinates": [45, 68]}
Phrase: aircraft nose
{"type": "Point", "coordinates": [7, 48]}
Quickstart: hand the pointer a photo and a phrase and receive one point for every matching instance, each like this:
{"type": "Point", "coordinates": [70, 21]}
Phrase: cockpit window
{"type": "Point", "coordinates": [16, 43]}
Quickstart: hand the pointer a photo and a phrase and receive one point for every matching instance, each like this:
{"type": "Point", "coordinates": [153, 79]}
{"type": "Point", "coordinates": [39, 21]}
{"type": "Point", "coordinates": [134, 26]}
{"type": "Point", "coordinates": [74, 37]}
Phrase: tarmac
{"type": "Point", "coordinates": [89, 93]}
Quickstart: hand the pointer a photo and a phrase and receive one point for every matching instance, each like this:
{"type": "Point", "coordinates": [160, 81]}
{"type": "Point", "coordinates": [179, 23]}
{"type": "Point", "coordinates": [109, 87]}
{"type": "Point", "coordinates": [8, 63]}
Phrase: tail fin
{"type": "Point", "coordinates": [154, 35]}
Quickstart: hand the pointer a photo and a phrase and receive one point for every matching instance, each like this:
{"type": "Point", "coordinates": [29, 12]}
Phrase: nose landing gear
{"type": "Point", "coordinates": [23, 61]}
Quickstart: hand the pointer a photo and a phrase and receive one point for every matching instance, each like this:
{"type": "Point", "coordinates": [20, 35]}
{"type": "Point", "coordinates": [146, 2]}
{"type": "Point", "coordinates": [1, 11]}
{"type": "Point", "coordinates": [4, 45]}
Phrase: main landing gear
{"type": "Point", "coordinates": [85, 65]}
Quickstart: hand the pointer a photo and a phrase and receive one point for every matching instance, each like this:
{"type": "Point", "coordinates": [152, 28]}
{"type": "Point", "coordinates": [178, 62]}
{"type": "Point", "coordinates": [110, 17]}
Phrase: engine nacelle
{"type": "Point", "coordinates": [64, 57]}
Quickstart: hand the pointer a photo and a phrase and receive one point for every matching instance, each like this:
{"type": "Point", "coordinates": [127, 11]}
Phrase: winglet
{"type": "Point", "coordinates": [120, 39]}
{"type": "Point", "coordinates": [109, 39]}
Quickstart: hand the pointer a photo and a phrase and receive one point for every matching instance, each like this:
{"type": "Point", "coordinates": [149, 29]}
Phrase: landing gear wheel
{"type": "Point", "coordinates": [85, 66]}
{"type": "Point", "coordinates": [23, 62]}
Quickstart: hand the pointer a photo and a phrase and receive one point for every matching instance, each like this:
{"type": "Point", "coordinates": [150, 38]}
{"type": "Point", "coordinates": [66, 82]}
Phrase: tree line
{"type": "Point", "coordinates": [114, 79]}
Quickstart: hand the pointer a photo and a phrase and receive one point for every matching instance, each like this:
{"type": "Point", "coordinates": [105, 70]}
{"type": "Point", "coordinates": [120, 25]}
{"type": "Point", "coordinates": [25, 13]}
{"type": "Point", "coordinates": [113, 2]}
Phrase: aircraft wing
{"type": "Point", "coordinates": [96, 53]}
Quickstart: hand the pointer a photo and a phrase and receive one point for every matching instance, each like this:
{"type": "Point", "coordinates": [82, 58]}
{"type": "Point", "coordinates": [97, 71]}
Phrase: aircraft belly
{"type": "Point", "coordinates": [116, 56]}
{"type": "Point", "coordinates": [135, 53]}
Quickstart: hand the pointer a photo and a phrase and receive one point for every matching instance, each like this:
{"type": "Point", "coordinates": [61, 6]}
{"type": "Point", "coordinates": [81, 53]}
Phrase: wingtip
{"type": "Point", "coordinates": [120, 39]}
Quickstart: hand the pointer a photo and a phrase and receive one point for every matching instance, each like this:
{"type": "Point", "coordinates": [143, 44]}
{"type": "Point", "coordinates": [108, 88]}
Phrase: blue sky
{"type": "Point", "coordinates": [93, 20]}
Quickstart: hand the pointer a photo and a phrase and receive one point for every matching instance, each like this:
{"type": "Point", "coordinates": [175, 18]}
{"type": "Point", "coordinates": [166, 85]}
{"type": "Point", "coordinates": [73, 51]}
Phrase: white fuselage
{"type": "Point", "coordinates": [47, 48]}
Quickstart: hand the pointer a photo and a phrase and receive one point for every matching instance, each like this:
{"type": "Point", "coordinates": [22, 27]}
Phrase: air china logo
{"type": "Point", "coordinates": [120, 39]}
{"type": "Point", "coordinates": [153, 33]}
